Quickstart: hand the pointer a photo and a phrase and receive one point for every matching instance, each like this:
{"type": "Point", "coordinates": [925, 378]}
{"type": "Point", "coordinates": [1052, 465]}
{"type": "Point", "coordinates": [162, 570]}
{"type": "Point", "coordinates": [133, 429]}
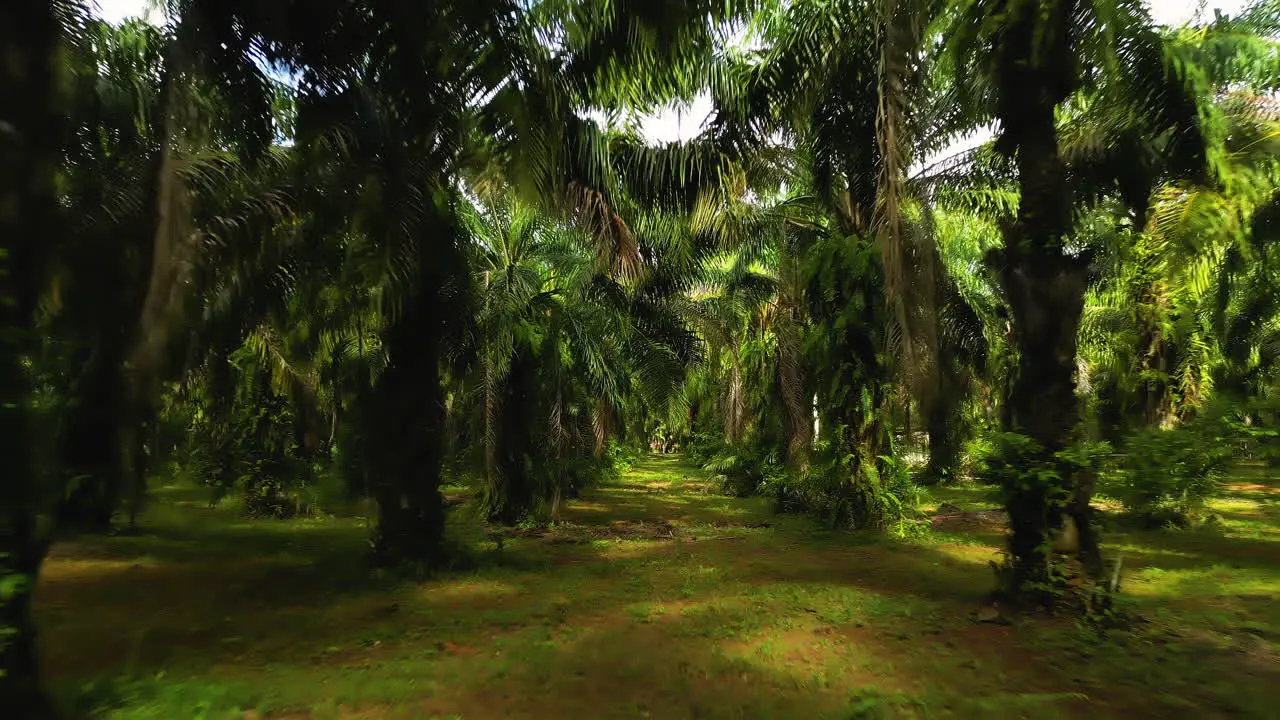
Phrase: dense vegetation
{"type": "Point", "coordinates": [415, 263]}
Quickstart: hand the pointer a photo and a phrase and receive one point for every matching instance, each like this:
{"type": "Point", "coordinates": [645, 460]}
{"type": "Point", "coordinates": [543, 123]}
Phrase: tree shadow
{"type": "Point", "coordinates": [747, 622]}
{"type": "Point", "coordinates": [675, 629]}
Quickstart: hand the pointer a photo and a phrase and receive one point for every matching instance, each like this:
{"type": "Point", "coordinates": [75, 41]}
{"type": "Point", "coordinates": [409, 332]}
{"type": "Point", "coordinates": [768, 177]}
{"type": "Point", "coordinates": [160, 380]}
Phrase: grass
{"type": "Point", "coordinates": [205, 614]}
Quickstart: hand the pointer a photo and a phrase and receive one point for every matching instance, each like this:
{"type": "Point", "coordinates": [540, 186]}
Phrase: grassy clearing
{"type": "Point", "coordinates": [207, 615]}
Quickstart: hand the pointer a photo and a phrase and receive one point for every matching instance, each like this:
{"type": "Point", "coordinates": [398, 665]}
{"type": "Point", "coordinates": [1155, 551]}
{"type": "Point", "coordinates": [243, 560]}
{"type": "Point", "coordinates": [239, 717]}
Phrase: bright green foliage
{"type": "Point", "coordinates": [847, 475]}
{"type": "Point", "coordinates": [1037, 492]}
{"type": "Point", "coordinates": [742, 471]}
{"type": "Point", "coordinates": [851, 378]}
{"type": "Point", "coordinates": [1169, 475]}
{"type": "Point", "coordinates": [559, 349]}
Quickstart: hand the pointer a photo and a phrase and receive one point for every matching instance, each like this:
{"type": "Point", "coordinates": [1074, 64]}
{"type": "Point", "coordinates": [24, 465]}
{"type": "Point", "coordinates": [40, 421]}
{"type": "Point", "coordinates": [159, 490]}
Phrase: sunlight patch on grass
{"type": "Point", "coordinates": [623, 549]}
{"type": "Point", "coordinates": [468, 590]}
{"type": "Point", "coordinates": [787, 620]}
{"type": "Point", "coordinates": [1144, 547]}
{"type": "Point", "coordinates": [587, 506]}
{"type": "Point", "coordinates": [62, 567]}
{"type": "Point", "coordinates": [1250, 519]}
{"type": "Point", "coordinates": [1216, 581]}
{"type": "Point", "coordinates": [813, 657]}
{"type": "Point", "coordinates": [973, 554]}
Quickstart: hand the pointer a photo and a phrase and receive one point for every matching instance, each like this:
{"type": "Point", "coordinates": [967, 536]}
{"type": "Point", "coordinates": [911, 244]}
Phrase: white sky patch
{"type": "Point", "coordinates": [678, 122]}
{"type": "Point", "coordinates": [1177, 12]}
{"type": "Point", "coordinates": [117, 11]}
{"type": "Point", "coordinates": [1165, 12]}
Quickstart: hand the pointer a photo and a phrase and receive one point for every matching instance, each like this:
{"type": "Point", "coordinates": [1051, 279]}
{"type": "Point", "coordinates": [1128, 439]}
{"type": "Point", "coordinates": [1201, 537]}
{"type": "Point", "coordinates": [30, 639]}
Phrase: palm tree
{"type": "Point", "coordinates": [750, 310]}
{"type": "Point", "coordinates": [1026, 60]}
{"type": "Point", "coordinates": [852, 372]}
{"type": "Point", "coordinates": [842, 85]}
{"type": "Point", "coordinates": [30, 33]}
{"type": "Point", "coordinates": [523, 281]}
{"type": "Point", "coordinates": [104, 266]}
{"type": "Point", "coordinates": [389, 91]}
{"type": "Point", "coordinates": [730, 315]}
{"type": "Point", "coordinates": [560, 346]}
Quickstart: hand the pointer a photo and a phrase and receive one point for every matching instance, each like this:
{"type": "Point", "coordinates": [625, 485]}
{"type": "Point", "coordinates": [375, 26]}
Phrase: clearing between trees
{"type": "Point", "coordinates": [654, 597]}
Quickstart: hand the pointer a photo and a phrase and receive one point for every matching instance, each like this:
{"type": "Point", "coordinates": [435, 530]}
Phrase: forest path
{"type": "Point", "coordinates": [704, 612]}
{"type": "Point", "coordinates": [664, 489]}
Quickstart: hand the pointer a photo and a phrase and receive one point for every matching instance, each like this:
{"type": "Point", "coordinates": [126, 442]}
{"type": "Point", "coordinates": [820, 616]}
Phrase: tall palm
{"type": "Point", "coordinates": [104, 266]}
{"type": "Point", "coordinates": [30, 32]}
{"type": "Point", "coordinates": [955, 206]}
{"type": "Point", "coordinates": [423, 73]}
{"type": "Point", "coordinates": [111, 290]}
{"type": "Point", "coordinates": [847, 87]}
{"type": "Point", "coordinates": [726, 311]}
{"type": "Point", "coordinates": [757, 320]}
{"type": "Point", "coordinates": [1026, 59]}
{"type": "Point", "coordinates": [560, 346]}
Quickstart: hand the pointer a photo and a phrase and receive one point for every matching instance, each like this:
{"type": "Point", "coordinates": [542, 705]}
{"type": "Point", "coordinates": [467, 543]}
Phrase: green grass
{"type": "Point", "coordinates": [205, 614]}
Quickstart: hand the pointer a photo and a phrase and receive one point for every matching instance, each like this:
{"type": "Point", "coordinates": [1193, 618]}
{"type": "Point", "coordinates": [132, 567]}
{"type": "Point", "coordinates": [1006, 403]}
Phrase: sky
{"type": "Point", "coordinates": [682, 123]}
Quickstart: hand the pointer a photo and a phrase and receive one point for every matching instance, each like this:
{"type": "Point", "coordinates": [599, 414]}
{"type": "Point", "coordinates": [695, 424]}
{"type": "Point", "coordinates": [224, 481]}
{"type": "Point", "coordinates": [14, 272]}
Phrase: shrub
{"type": "Point", "coordinates": [1254, 427]}
{"type": "Point", "coordinates": [703, 447]}
{"type": "Point", "coordinates": [1012, 460]}
{"type": "Point", "coordinates": [845, 491]}
{"type": "Point", "coordinates": [622, 457]}
{"type": "Point", "coordinates": [975, 454]}
{"type": "Point", "coordinates": [842, 490]}
{"type": "Point", "coordinates": [741, 470]}
{"type": "Point", "coordinates": [1170, 475]}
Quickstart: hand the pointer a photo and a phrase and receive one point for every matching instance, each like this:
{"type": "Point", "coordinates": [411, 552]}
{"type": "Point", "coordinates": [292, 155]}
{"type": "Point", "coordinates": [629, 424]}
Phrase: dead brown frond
{"type": "Point", "coordinates": [909, 266]}
{"type": "Point", "coordinates": [617, 249]}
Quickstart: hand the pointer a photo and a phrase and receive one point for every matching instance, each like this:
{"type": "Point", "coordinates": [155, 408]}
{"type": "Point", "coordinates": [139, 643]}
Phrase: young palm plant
{"type": "Point", "coordinates": [558, 346]}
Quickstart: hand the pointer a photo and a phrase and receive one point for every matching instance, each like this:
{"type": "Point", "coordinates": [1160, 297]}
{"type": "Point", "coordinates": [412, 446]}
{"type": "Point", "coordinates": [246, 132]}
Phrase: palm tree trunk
{"type": "Point", "coordinates": [1045, 289]}
{"type": "Point", "coordinates": [513, 494]}
{"type": "Point", "coordinates": [92, 451]}
{"type": "Point", "coordinates": [1155, 395]}
{"type": "Point", "coordinates": [28, 225]}
{"type": "Point", "coordinates": [942, 423]}
{"type": "Point", "coordinates": [869, 440]}
{"type": "Point", "coordinates": [733, 404]}
{"type": "Point", "coordinates": [404, 439]}
{"type": "Point", "coordinates": [791, 382]}
{"type": "Point", "coordinates": [601, 426]}
{"type": "Point", "coordinates": [492, 407]}
{"type": "Point", "coordinates": [144, 445]}
{"type": "Point", "coordinates": [105, 415]}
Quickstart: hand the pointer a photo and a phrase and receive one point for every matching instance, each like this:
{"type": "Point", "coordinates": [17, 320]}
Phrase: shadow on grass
{"type": "Point", "coordinates": [247, 613]}
{"type": "Point", "coordinates": [741, 622]}
{"type": "Point", "coordinates": [687, 629]}
{"type": "Point", "coordinates": [729, 628]}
